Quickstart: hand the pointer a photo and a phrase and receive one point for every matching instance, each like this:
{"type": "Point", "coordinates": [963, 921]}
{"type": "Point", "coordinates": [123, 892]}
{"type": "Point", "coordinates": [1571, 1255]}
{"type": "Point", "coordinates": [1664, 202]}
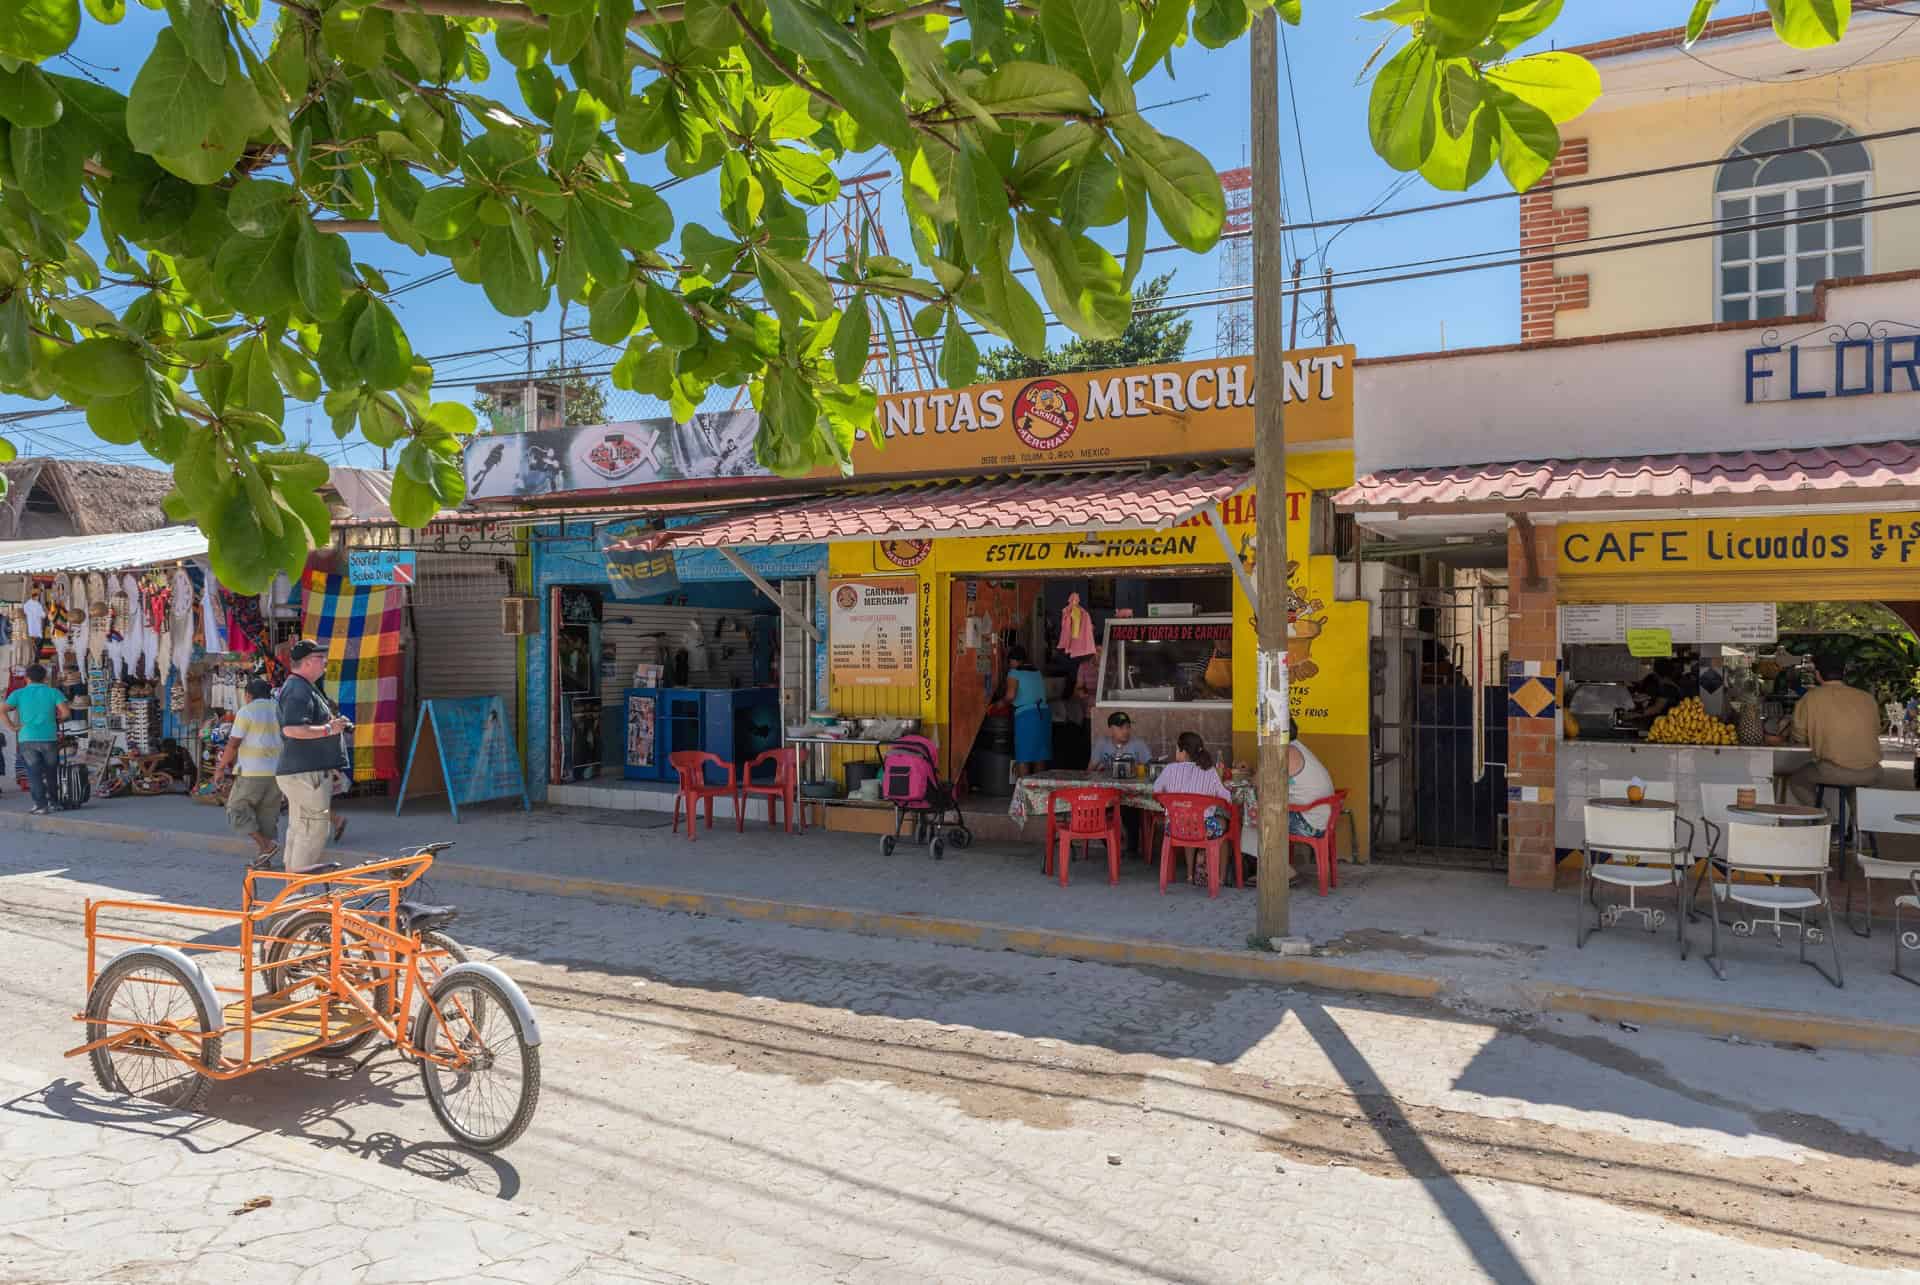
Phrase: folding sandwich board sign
{"type": "Point", "coordinates": [470, 754]}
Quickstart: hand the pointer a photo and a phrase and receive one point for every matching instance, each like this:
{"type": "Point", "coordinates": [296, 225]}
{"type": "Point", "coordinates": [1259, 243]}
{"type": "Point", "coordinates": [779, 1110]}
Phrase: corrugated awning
{"type": "Point", "coordinates": [101, 552]}
{"type": "Point", "coordinates": [1838, 474]}
{"type": "Point", "coordinates": [1121, 500]}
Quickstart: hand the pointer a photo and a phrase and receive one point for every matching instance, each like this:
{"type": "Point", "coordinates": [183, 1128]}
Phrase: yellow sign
{"type": "Point", "coordinates": [1650, 643]}
{"type": "Point", "coordinates": [1821, 542]}
{"type": "Point", "coordinates": [1191, 408]}
{"type": "Point", "coordinates": [873, 632]}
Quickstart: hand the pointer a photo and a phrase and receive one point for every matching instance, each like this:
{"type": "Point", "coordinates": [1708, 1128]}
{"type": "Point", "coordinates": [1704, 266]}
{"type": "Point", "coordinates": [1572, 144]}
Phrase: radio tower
{"type": "Point", "coordinates": [1233, 322]}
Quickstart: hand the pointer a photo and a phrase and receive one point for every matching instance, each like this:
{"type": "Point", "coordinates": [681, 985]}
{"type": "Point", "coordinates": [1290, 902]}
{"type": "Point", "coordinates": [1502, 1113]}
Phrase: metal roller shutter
{"type": "Point", "coordinates": [458, 647]}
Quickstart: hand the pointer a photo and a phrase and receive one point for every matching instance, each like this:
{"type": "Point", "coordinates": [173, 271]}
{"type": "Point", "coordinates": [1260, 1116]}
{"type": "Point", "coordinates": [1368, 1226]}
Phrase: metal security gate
{"type": "Point", "coordinates": [1440, 726]}
{"type": "Point", "coordinates": [459, 649]}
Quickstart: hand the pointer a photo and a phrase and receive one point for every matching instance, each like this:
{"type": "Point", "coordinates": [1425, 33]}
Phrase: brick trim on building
{"type": "Point", "coordinates": [1544, 293]}
{"type": "Point", "coordinates": [1533, 635]}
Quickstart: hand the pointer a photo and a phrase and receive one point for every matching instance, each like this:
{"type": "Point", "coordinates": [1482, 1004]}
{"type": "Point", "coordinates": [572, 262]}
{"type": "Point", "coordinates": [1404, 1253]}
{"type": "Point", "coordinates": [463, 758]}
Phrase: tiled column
{"type": "Point", "coordinates": [1533, 698]}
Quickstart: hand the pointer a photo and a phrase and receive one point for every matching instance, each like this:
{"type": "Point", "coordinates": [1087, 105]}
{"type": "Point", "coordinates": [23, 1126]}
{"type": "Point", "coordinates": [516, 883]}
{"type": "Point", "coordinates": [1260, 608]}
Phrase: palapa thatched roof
{"type": "Point", "coordinates": [47, 498]}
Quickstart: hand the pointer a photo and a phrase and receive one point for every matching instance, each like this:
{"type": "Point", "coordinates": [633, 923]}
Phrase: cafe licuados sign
{"type": "Point", "coordinates": [1181, 409]}
{"type": "Point", "coordinates": [1828, 542]}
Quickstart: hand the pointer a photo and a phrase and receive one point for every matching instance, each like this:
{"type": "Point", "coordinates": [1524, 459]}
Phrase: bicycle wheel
{"type": "Point", "coordinates": [488, 1102]}
{"type": "Point", "coordinates": [153, 990]}
{"type": "Point", "coordinates": [306, 933]}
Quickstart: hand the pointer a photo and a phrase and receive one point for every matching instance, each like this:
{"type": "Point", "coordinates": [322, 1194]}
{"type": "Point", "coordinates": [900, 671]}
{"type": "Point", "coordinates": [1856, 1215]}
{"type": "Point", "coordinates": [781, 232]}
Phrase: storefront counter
{"type": "Point", "coordinates": [1582, 767]}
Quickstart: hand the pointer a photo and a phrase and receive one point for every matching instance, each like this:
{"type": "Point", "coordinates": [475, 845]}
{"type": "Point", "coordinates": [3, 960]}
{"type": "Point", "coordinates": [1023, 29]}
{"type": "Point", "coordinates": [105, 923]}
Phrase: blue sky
{"type": "Point", "coordinates": [1336, 163]}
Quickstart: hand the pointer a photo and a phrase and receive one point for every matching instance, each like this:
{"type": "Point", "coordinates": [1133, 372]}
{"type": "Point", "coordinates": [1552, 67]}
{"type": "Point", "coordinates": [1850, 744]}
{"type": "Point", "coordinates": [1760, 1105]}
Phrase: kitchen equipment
{"type": "Point", "coordinates": [859, 774]}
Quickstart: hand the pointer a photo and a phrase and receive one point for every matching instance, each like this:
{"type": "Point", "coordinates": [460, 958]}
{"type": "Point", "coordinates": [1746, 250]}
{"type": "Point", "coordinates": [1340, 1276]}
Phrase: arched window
{"type": "Point", "coordinates": [1770, 272]}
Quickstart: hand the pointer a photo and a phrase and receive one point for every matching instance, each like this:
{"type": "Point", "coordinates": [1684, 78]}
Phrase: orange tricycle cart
{"type": "Point", "coordinates": [324, 960]}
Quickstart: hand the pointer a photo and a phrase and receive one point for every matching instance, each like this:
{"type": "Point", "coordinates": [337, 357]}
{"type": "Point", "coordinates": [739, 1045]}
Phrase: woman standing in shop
{"type": "Point", "coordinates": [1032, 718]}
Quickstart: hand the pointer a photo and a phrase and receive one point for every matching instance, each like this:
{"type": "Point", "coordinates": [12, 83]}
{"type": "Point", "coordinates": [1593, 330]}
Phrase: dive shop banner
{"type": "Point", "coordinates": [1826, 542]}
{"type": "Point", "coordinates": [1181, 409]}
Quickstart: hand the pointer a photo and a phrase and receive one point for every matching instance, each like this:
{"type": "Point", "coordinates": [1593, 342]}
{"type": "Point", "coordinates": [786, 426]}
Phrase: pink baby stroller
{"type": "Point", "coordinates": [910, 780]}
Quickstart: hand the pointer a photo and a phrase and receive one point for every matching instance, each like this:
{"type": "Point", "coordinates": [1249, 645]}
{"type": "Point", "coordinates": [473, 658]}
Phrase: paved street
{"type": "Point", "coordinates": [752, 1102]}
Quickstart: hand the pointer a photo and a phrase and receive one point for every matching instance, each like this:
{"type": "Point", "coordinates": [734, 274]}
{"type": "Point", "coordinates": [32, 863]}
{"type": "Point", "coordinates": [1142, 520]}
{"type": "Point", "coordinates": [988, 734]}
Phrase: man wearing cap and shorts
{"type": "Point", "coordinates": [252, 757]}
{"type": "Point", "coordinates": [1118, 744]}
{"type": "Point", "coordinates": [310, 753]}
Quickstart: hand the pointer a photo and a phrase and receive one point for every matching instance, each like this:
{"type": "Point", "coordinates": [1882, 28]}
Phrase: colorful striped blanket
{"type": "Point", "coordinates": [360, 628]}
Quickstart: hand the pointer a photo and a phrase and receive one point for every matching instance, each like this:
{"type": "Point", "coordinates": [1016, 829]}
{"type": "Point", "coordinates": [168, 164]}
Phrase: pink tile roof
{"type": "Point", "coordinates": [1644, 479]}
{"type": "Point", "coordinates": [1129, 499]}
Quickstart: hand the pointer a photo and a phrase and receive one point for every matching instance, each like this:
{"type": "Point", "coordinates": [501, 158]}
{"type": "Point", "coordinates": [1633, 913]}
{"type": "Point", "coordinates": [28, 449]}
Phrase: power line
{"type": "Point", "coordinates": [1300, 148]}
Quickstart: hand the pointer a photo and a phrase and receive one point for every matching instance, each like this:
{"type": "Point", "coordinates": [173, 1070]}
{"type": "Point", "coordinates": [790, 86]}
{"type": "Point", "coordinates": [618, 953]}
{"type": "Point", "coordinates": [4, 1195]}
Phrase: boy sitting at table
{"type": "Point", "coordinates": [1118, 745]}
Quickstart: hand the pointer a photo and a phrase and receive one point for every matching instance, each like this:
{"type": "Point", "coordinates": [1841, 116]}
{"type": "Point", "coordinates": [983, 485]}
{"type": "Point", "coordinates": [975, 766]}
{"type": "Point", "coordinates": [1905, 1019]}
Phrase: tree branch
{"type": "Point", "coordinates": [780, 65]}
{"type": "Point", "coordinates": [348, 225]}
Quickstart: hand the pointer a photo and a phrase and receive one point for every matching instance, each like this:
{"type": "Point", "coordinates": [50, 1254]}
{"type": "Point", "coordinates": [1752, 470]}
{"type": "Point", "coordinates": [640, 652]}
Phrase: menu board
{"type": "Point", "coordinates": [872, 638]}
{"type": "Point", "coordinates": [1685, 622]}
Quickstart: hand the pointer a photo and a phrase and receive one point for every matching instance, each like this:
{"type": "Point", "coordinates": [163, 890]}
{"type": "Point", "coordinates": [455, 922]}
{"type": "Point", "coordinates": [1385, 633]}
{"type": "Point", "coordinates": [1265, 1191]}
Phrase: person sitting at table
{"type": "Point", "coordinates": [1032, 719]}
{"type": "Point", "coordinates": [1841, 725]}
{"type": "Point", "coordinates": [1118, 744]}
{"type": "Point", "coordinates": [1192, 770]}
{"type": "Point", "coordinates": [1307, 781]}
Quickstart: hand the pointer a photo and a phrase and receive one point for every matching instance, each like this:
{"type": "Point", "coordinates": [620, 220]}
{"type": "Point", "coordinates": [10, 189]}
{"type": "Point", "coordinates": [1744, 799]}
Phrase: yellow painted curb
{"type": "Point", "coordinates": [1761, 1025]}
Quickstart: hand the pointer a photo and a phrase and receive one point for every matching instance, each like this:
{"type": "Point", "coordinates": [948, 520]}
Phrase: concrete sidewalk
{"type": "Point", "coordinates": [99, 1187]}
{"type": "Point", "coordinates": [1462, 937]}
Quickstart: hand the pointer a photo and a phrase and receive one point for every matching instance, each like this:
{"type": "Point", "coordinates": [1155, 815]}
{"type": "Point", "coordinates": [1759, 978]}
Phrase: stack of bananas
{"type": "Point", "coordinates": [1688, 723]}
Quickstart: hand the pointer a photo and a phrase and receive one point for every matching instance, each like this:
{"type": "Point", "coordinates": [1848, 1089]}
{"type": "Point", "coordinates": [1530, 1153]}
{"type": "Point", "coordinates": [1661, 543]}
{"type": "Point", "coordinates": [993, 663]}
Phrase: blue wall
{"type": "Point", "coordinates": [570, 558]}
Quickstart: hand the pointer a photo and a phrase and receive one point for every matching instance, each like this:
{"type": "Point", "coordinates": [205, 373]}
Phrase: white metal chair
{"type": "Point", "coordinates": [1876, 812]}
{"type": "Point", "coordinates": [1715, 799]}
{"type": "Point", "coordinates": [1904, 938]}
{"type": "Point", "coordinates": [1791, 852]}
{"type": "Point", "coordinates": [1651, 838]}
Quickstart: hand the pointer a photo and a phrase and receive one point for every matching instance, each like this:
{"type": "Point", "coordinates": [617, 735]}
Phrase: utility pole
{"type": "Point", "coordinates": [529, 401]}
{"type": "Point", "coordinates": [1293, 322]}
{"type": "Point", "coordinates": [1269, 473]}
{"type": "Point", "coordinates": [1327, 323]}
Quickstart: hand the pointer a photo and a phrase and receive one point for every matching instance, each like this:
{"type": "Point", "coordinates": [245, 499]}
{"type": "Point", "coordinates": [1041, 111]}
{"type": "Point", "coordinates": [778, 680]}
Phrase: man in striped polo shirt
{"type": "Point", "coordinates": [253, 805]}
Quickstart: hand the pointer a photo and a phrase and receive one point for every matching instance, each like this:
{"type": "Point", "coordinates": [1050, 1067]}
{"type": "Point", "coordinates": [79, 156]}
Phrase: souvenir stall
{"type": "Point", "coordinates": [152, 653]}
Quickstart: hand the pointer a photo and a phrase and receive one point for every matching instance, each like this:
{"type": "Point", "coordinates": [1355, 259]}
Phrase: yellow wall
{"type": "Point", "coordinates": [1674, 285]}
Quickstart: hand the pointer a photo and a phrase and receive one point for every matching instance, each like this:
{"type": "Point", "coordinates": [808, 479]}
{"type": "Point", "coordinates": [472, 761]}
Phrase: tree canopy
{"type": "Point", "coordinates": [255, 143]}
{"type": "Point", "coordinates": [1153, 335]}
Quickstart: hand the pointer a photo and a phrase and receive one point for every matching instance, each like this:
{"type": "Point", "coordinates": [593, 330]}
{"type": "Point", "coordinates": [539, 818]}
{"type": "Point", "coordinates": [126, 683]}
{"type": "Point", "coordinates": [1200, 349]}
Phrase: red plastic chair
{"type": "Point", "coordinates": [1093, 816]}
{"type": "Point", "coordinates": [1186, 832]}
{"type": "Point", "coordinates": [783, 791]}
{"type": "Point", "coordinates": [1325, 848]}
{"type": "Point", "coordinates": [691, 765]}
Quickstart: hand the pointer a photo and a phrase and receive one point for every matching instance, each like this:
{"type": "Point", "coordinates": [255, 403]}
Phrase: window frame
{"type": "Point", "coordinates": [1793, 252]}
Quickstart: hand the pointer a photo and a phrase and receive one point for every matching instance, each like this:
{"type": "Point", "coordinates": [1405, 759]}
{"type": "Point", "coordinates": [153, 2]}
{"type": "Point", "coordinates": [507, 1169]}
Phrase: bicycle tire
{"type": "Point", "coordinates": [302, 930]}
{"type": "Point", "coordinates": [185, 1092]}
{"type": "Point", "coordinates": [486, 999]}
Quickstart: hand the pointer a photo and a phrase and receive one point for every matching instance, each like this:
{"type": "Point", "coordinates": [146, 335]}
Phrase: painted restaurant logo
{"type": "Point", "coordinates": [1045, 414]}
{"type": "Point", "coordinates": [906, 553]}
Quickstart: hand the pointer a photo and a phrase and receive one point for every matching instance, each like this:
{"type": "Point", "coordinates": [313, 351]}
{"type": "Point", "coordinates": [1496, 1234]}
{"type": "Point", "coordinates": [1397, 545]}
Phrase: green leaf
{"type": "Point", "coordinates": [576, 127]}
{"type": "Point", "coordinates": [1810, 24]}
{"type": "Point", "coordinates": [316, 271]}
{"type": "Point", "coordinates": [1456, 163]}
{"type": "Point", "coordinates": [36, 30]}
{"type": "Point", "coordinates": [379, 347]}
{"type": "Point", "coordinates": [16, 338]}
{"type": "Point", "coordinates": [416, 503]}
{"type": "Point", "coordinates": [1083, 35]}
{"type": "Point", "coordinates": [445, 212]}
{"type": "Point", "coordinates": [1184, 187]}
{"type": "Point", "coordinates": [804, 28]}
{"type": "Point", "coordinates": [587, 234]}
{"type": "Point", "coordinates": [382, 420]}
{"type": "Point", "coordinates": [1400, 113]}
{"type": "Point", "coordinates": [980, 196]}
{"type": "Point", "coordinates": [258, 206]}
{"type": "Point", "coordinates": [1166, 27]}
{"type": "Point", "coordinates": [309, 508]}
{"type": "Point", "coordinates": [257, 272]}
{"type": "Point", "coordinates": [255, 387]}
{"type": "Point", "coordinates": [804, 175]}
{"type": "Point", "coordinates": [959, 355]}
{"type": "Point", "coordinates": [28, 98]}
{"type": "Point", "coordinates": [1037, 87]}
{"type": "Point", "coordinates": [853, 340]}
{"type": "Point", "coordinates": [794, 287]}
{"type": "Point", "coordinates": [203, 33]}
{"type": "Point", "coordinates": [1697, 20]}
{"type": "Point", "coordinates": [48, 164]}
{"type": "Point", "coordinates": [1529, 140]}
{"type": "Point", "coordinates": [868, 98]}
{"type": "Point", "coordinates": [1459, 97]}
{"type": "Point", "coordinates": [1558, 83]}
{"type": "Point", "coordinates": [1521, 23]}
{"type": "Point", "coordinates": [101, 367]}
{"type": "Point", "coordinates": [1091, 196]}
{"type": "Point", "coordinates": [1454, 27]}
{"type": "Point", "coordinates": [173, 104]}
{"type": "Point", "coordinates": [1081, 281]}
{"type": "Point", "coordinates": [238, 115]}
{"type": "Point", "coordinates": [613, 312]}
{"type": "Point", "coordinates": [1404, 12]}
{"type": "Point", "coordinates": [668, 318]}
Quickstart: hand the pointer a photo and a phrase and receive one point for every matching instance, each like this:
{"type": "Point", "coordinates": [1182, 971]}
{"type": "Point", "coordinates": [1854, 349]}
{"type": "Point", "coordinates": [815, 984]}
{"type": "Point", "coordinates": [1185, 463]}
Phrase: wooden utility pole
{"type": "Point", "coordinates": [1293, 322]}
{"type": "Point", "coordinates": [1269, 465]}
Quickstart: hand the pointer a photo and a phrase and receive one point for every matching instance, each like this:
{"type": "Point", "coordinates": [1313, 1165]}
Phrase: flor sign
{"type": "Point", "coordinates": [1858, 366]}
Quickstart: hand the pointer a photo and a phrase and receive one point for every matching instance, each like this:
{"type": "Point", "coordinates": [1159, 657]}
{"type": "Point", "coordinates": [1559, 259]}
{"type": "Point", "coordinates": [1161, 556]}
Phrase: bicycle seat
{"type": "Point", "coordinates": [419, 917]}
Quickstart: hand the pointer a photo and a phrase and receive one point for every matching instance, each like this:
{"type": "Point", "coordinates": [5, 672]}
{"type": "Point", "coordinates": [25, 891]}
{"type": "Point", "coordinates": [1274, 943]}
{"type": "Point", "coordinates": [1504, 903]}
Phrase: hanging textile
{"type": "Point", "coordinates": [99, 612]}
{"type": "Point", "coordinates": [180, 619]}
{"type": "Point", "coordinates": [1076, 628]}
{"type": "Point", "coordinates": [360, 626]}
{"type": "Point", "coordinates": [213, 635]}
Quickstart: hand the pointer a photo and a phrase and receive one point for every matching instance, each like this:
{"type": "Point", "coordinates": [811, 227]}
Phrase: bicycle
{"type": "Point", "coordinates": [156, 1026]}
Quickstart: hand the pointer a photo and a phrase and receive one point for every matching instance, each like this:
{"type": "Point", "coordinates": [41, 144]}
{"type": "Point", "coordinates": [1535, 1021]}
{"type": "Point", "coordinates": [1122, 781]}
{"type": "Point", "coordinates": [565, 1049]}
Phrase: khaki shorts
{"type": "Point", "coordinates": [253, 805]}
